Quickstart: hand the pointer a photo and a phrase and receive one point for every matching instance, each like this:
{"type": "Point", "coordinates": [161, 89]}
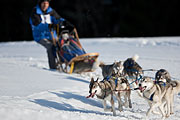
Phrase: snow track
{"type": "Point", "coordinates": [29, 91]}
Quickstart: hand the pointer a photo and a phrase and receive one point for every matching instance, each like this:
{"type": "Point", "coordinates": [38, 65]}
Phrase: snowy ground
{"type": "Point", "coordinates": [29, 91]}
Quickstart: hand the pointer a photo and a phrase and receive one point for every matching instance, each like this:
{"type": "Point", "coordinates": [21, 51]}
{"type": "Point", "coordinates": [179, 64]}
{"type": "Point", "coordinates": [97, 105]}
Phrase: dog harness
{"type": "Point", "coordinates": [115, 78]}
{"type": "Point", "coordinates": [151, 97]}
{"type": "Point", "coordinates": [160, 83]}
{"type": "Point", "coordinates": [104, 91]}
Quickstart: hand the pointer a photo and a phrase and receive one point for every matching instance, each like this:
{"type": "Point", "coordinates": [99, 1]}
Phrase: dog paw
{"type": "Point", "coordinates": [156, 112]}
{"type": "Point", "coordinates": [130, 105]}
{"type": "Point", "coordinates": [121, 109]}
{"type": "Point", "coordinates": [163, 118]}
{"type": "Point", "coordinates": [146, 118]}
{"type": "Point", "coordinates": [108, 110]}
{"type": "Point", "coordinates": [171, 113]}
{"type": "Point", "coordinates": [114, 114]}
{"type": "Point", "coordinates": [125, 105]}
{"type": "Point", "coordinates": [167, 116]}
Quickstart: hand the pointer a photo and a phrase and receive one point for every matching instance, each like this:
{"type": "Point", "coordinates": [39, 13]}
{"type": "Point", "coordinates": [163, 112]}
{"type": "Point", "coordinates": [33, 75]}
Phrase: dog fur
{"type": "Point", "coordinates": [132, 68]}
{"type": "Point", "coordinates": [106, 89]}
{"type": "Point", "coordinates": [111, 70]}
{"type": "Point", "coordinates": [163, 76]}
{"type": "Point", "coordinates": [158, 96]}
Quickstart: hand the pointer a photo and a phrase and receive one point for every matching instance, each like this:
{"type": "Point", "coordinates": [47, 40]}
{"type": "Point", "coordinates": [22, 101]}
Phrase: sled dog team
{"type": "Point", "coordinates": [121, 77]}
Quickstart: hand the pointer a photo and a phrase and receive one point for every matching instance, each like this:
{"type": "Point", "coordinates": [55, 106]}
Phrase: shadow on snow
{"type": "Point", "coordinates": [68, 107]}
{"type": "Point", "coordinates": [78, 79]}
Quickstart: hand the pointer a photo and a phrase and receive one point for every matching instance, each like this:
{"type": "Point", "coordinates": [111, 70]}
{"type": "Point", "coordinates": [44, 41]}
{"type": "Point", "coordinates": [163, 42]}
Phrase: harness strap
{"type": "Point", "coordinates": [108, 77]}
{"type": "Point", "coordinates": [160, 83]}
{"type": "Point", "coordinates": [151, 97]}
{"type": "Point", "coordinates": [136, 80]}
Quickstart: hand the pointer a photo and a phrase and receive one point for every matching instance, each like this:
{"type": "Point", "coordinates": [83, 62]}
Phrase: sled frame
{"type": "Point", "coordinates": [70, 64]}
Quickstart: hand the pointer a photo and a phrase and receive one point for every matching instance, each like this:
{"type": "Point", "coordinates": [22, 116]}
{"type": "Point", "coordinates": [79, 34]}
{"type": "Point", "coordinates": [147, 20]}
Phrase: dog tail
{"type": "Point", "coordinates": [101, 64]}
{"type": "Point", "coordinates": [177, 88]}
{"type": "Point", "coordinates": [96, 64]}
{"type": "Point", "coordinates": [135, 57]}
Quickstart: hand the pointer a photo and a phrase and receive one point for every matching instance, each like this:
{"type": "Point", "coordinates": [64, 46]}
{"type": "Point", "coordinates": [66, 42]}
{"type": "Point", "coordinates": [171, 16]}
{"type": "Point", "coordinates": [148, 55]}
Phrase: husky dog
{"type": "Point", "coordinates": [132, 68]}
{"type": "Point", "coordinates": [122, 90]}
{"type": "Point", "coordinates": [163, 76]}
{"type": "Point", "coordinates": [133, 71]}
{"type": "Point", "coordinates": [103, 91]}
{"type": "Point", "coordinates": [111, 70]}
{"type": "Point", "coordinates": [106, 89]}
{"type": "Point", "coordinates": [158, 96]}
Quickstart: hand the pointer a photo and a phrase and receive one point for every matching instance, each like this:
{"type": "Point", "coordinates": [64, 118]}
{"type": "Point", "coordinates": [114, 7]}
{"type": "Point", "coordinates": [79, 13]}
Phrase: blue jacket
{"type": "Point", "coordinates": [40, 20]}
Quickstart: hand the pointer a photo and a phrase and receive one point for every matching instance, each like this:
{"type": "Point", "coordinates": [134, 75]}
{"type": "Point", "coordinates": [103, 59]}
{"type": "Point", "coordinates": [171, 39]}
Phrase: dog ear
{"type": "Point", "coordinates": [92, 80]}
{"type": "Point", "coordinates": [121, 62]}
{"type": "Point", "coordinates": [97, 79]}
{"type": "Point", "coordinates": [101, 64]}
{"type": "Point", "coordinates": [114, 63]}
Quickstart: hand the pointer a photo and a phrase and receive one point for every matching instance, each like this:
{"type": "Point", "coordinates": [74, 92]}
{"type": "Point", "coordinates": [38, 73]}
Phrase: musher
{"type": "Point", "coordinates": [41, 18]}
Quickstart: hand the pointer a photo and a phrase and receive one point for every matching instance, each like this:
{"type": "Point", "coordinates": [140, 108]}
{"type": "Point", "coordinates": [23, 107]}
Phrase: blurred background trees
{"type": "Point", "coordinates": [97, 18]}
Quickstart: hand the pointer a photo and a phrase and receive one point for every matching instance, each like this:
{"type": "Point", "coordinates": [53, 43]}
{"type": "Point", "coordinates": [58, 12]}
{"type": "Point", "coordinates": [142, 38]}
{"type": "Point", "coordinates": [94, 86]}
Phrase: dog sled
{"type": "Point", "coordinates": [70, 55]}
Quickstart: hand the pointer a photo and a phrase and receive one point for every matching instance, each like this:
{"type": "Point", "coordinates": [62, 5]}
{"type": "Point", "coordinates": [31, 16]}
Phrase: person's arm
{"type": "Point", "coordinates": [56, 17]}
{"type": "Point", "coordinates": [35, 18]}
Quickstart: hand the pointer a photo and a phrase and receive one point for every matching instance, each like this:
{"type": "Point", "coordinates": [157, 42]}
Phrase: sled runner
{"type": "Point", "coordinates": [70, 55]}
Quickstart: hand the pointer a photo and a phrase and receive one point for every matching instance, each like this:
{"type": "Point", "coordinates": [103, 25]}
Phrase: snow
{"type": "Point", "coordinates": [29, 91]}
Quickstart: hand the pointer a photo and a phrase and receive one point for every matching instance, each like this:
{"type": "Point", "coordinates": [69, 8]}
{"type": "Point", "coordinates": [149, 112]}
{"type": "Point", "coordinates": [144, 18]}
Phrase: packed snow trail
{"type": "Point", "coordinates": [28, 90]}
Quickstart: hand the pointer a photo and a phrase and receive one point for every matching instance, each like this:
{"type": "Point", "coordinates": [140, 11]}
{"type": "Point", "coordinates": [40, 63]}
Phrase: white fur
{"type": "Point", "coordinates": [161, 99]}
{"type": "Point", "coordinates": [135, 57]}
{"type": "Point", "coordinates": [124, 85]}
{"type": "Point", "coordinates": [96, 65]}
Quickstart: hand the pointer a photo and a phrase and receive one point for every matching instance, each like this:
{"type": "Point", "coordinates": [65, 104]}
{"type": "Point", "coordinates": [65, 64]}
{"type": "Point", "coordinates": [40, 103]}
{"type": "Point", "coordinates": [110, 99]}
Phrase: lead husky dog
{"type": "Point", "coordinates": [106, 89]}
{"type": "Point", "coordinates": [157, 96]}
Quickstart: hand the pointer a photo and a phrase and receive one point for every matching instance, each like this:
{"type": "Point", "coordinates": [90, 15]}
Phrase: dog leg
{"type": "Point", "coordinates": [113, 107]}
{"type": "Point", "coordinates": [129, 99]}
{"type": "Point", "coordinates": [119, 102]}
{"type": "Point", "coordinates": [154, 112]}
{"type": "Point", "coordinates": [152, 107]}
{"type": "Point", "coordinates": [126, 104]}
{"type": "Point", "coordinates": [161, 108]}
{"type": "Point", "coordinates": [168, 108]}
{"type": "Point", "coordinates": [105, 106]}
{"type": "Point", "coordinates": [172, 104]}
{"type": "Point", "coordinates": [118, 99]}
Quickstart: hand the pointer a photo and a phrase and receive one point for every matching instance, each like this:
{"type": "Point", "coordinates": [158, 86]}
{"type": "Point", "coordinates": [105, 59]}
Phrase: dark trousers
{"type": "Point", "coordinates": [50, 52]}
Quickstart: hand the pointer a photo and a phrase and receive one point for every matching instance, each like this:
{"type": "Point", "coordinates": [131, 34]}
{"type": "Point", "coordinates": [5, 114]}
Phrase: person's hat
{"type": "Point", "coordinates": [40, 1]}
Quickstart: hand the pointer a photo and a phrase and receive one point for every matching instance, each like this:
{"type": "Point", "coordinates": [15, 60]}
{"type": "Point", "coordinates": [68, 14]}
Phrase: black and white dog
{"type": "Point", "coordinates": [163, 76]}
